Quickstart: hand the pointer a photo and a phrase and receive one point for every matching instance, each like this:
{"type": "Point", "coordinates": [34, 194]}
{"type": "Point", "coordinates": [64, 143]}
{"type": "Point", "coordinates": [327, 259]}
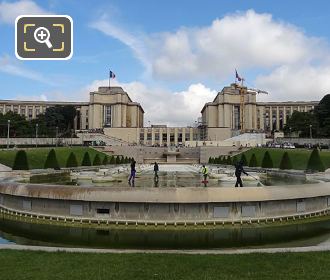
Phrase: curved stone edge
{"type": "Point", "coordinates": [73, 221]}
{"type": "Point", "coordinates": [320, 248]}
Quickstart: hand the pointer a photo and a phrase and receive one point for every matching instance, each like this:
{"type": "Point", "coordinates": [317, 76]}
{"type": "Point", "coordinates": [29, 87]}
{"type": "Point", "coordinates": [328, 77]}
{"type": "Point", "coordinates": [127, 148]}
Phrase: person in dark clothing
{"type": "Point", "coordinates": [238, 172]}
{"type": "Point", "coordinates": [156, 169]}
{"type": "Point", "coordinates": [133, 171]}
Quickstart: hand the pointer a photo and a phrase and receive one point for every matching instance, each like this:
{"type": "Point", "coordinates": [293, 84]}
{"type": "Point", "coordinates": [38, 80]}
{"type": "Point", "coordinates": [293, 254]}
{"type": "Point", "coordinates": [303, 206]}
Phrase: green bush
{"type": "Point", "coordinates": [315, 163]}
{"type": "Point", "coordinates": [117, 160]}
{"type": "Point", "coordinates": [86, 160]}
{"type": "Point", "coordinates": [97, 160]}
{"type": "Point", "coordinates": [235, 160]}
{"type": "Point", "coordinates": [285, 162]}
{"type": "Point", "coordinates": [267, 161]}
{"type": "Point", "coordinates": [20, 162]}
{"type": "Point", "coordinates": [51, 161]}
{"type": "Point", "coordinates": [112, 160]}
{"type": "Point", "coordinates": [253, 161]}
{"type": "Point", "coordinates": [105, 160]}
{"type": "Point", "coordinates": [244, 160]}
{"type": "Point", "coordinates": [228, 160]}
{"type": "Point", "coordinates": [72, 160]}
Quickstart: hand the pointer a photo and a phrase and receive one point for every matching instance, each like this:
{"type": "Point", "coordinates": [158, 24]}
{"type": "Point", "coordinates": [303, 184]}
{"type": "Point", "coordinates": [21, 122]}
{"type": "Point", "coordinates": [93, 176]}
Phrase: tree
{"type": "Point", "coordinates": [72, 160]}
{"type": "Point", "coordinates": [322, 113]}
{"type": "Point", "coordinates": [244, 160]}
{"type": "Point", "coordinates": [228, 160]}
{"type": "Point", "coordinates": [21, 162]}
{"type": "Point", "coordinates": [51, 160]}
{"type": "Point", "coordinates": [105, 160]}
{"type": "Point", "coordinates": [253, 161]}
{"type": "Point", "coordinates": [126, 160]}
{"type": "Point", "coordinates": [285, 162]}
{"type": "Point", "coordinates": [86, 160]}
{"type": "Point", "coordinates": [300, 122]}
{"type": "Point", "coordinates": [315, 162]}
{"type": "Point", "coordinates": [97, 160]}
{"type": "Point", "coordinates": [267, 161]}
{"type": "Point", "coordinates": [210, 160]}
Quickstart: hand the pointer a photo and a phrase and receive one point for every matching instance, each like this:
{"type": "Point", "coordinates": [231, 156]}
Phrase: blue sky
{"type": "Point", "coordinates": [171, 55]}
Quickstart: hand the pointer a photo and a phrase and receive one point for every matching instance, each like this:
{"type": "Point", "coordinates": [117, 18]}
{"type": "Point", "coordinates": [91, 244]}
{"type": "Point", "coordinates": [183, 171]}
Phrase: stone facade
{"type": "Point", "coordinates": [223, 115]}
{"type": "Point", "coordinates": [112, 111]}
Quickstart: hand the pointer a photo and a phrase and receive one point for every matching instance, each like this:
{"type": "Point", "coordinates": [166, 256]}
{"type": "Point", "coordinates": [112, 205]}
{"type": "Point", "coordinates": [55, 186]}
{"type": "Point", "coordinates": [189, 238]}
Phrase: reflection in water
{"type": "Point", "coordinates": [275, 236]}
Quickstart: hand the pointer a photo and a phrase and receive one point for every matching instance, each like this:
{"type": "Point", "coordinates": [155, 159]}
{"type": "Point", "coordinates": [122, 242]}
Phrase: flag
{"type": "Point", "coordinates": [112, 75]}
{"type": "Point", "coordinates": [237, 76]}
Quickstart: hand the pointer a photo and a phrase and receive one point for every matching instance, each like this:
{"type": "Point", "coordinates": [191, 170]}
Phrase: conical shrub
{"type": "Point", "coordinates": [315, 163]}
{"type": "Point", "coordinates": [86, 160]}
{"type": "Point", "coordinates": [285, 162]}
{"type": "Point", "coordinates": [51, 160]}
{"type": "Point", "coordinates": [117, 160]}
{"type": "Point", "coordinates": [234, 160]}
{"type": "Point", "coordinates": [72, 160]}
{"type": "Point", "coordinates": [112, 160]}
{"type": "Point", "coordinates": [105, 160]}
{"type": "Point", "coordinates": [253, 161]}
{"type": "Point", "coordinates": [244, 160]}
{"type": "Point", "coordinates": [97, 160]}
{"type": "Point", "coordinates": [228, 160]}
{"type": "Point", "coordinates": [21, 162]}
{"type": "Point", "coordinates": [267, 161]}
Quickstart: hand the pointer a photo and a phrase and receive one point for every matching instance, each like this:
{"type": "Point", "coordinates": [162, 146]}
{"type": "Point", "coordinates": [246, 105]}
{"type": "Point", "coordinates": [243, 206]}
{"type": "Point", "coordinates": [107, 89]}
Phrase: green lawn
{"type": "Point", "coordinates": [299, 157]}
{"type": "Point", "coordinates": [42, 265]}
{"type": "Point", "coordinates": [37, 156]}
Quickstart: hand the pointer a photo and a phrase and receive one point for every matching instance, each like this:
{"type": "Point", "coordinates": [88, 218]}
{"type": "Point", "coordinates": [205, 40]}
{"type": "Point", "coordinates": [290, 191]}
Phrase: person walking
{"type": "Point", "coordinates": [133, 172]}
{"type": "Point", "coordinates": [238, 172]}
{"type": "Point", "coordinates": [156, 169]}
{"type": "Point", "coordinates": [205, 172]}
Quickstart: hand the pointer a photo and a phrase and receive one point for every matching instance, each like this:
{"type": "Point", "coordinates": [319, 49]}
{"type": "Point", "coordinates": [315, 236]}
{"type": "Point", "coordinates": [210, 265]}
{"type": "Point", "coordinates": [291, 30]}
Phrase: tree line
{"type": "Point", "coordinates": [315, 122]}
{"type": "Point", "coordinates": [314, 162]}
{"type": "Point", "coordinates": [57, 119]}
{"type": "Point", "coordinates": [21, 160]}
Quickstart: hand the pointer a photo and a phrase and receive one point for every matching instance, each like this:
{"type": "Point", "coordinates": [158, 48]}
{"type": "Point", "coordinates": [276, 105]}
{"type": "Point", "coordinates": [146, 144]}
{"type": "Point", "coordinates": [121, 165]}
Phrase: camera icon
{"type": "Point", "coordinates": [43, 37]}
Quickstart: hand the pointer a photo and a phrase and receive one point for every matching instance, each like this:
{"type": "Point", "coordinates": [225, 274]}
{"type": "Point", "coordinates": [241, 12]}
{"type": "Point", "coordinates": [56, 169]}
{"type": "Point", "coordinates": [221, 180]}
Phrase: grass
{"type": "Point", "coordinates": [60, 265]}
{"type": "Point", "coordinates": [299, 157]}
{"type": "Point", "coordinates": [37, 156]}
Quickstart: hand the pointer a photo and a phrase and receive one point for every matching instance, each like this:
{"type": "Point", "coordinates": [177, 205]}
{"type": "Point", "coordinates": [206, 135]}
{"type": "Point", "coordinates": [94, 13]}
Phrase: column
{"type": "Point", "coordinates": [160, 136]}
{"type": "Point", "coordinates": [145, 136]}
{"type": "Point", "coordinates": [277, 118]}
{"type": "Point", "coordinates": [152, 136]}
{"type": "Point", "coordinates": [261, 117]}
{"type": "Point", "coordinates": [284, 116]}
{"type": "Point", "coordinates": [123, 115]}
{"type": "Point", "coordinates": [176, 136]}
{"type": "Point", "coordinates": [168, 131]}
{"type": "Point", "coordinates": [183, 135]}
{"type": "Point", "coordinates": [270, 118]}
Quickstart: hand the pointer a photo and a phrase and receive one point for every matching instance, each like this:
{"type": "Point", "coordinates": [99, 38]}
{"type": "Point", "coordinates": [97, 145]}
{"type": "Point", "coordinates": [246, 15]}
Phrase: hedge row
{"type": "Point", "coordinates": [21, 161]}
{"type": "Point", "coordinates": [314, 163]}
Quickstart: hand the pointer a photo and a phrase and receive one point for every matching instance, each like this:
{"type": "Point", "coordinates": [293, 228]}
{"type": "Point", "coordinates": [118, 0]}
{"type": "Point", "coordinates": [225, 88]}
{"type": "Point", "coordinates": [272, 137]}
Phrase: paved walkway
{"type": "Point", "coordinates": [188, 252]}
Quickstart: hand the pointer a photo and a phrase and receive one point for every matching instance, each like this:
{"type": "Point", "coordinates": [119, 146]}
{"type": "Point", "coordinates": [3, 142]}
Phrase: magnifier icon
{"type": "Point", "coordinates": [41, 35]}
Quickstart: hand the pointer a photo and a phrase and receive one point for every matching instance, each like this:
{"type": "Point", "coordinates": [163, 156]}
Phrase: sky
{"type": "Point", "coordinates": [173, 56]}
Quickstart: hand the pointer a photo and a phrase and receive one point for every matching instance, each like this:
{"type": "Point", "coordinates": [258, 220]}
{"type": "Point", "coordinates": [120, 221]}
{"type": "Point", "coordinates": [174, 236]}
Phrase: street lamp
{"type": "Point", "coordinates": [37, 125]}
{"type": "Point", "coordinates": [310, 131]}
{"type": "Point", "coordinates": [8, 129]}
{"type": "Point", "coordinates": [290, 130]}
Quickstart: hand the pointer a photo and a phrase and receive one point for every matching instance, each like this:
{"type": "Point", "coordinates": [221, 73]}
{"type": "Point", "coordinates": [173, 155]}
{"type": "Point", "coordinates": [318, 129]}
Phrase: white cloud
{"type": "Point", "coordinates": [290, 63]}
{"type": "Point", "coordinates": [10, 10]}
{"type": "Point", "coordinates": [14, 67]}
{"type": "Point", "coordinates": [41, 97]}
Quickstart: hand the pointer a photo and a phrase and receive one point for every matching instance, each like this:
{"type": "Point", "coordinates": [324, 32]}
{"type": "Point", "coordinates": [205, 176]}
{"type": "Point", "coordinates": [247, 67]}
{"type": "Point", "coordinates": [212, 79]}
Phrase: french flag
{"type": "Point", "coordinates": [237, 76]}
{"type": "Point", "coordinates": [112, 75]}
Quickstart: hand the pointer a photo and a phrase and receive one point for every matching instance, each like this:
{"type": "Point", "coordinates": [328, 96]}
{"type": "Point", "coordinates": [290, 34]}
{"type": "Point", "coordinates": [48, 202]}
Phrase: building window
{"type": "Point", "coordinates": [16, 109]}
{"type": "Point", "coordinates": [107, 115]}
{"type": "Point", "coordinates": [148, 136]}
{"type": "Point", "coordinates": [237, 117]}
{"type": "Point", "coordinates": [30, 113]}
{"type": "Point", "coordinates": [142, 136]}
{"type": "Point", "coordinates": [8, 108]}
{"type": "Point", "coordinates": [23, 111]}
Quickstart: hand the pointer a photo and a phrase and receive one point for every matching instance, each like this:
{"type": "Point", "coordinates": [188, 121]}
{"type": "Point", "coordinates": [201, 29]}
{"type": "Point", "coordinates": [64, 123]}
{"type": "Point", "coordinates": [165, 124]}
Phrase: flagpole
{"type": "Point", "coordinates": [109, 78]}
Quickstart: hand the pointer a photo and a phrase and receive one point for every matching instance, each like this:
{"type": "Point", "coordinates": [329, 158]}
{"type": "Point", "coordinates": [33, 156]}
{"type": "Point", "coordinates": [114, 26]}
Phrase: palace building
{"type": "Point", "coordinates": [112, 111]}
